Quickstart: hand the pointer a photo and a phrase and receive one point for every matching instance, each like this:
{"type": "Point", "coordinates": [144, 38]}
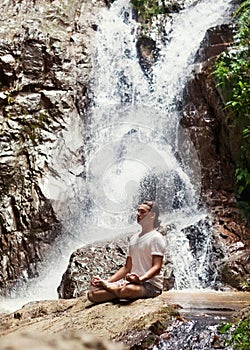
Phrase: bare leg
{"type": "Point", "coordinates": [105, 291]}
{"type": "Point", "coordinates": [131, 291]}
{"type": "Point", "coordinates": [111, 286]}
{"type": "Point", "coordinates": [112, 291]}
{"type": "Point", "coordinates": [100, 295]}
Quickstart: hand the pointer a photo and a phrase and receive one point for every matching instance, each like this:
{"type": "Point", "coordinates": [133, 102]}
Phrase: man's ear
{"type": "Point", "coordinates": [152, 214]}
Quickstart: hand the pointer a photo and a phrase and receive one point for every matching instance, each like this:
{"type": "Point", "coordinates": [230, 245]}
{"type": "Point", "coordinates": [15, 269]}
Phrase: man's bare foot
{"type": "Point", "coordinates": [102, 283]}
{"type": "Point", "coordinates": [111, 286]}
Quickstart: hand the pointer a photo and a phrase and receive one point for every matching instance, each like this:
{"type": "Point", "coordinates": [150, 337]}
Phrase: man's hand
{"type": "Point", "coordinates": [96, 281]}
{"type": "Point", "coordinates": [133, 278]}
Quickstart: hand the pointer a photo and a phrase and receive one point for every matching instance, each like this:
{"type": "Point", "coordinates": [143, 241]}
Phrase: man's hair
{"type": "Point", "coordinates": [155, 209]}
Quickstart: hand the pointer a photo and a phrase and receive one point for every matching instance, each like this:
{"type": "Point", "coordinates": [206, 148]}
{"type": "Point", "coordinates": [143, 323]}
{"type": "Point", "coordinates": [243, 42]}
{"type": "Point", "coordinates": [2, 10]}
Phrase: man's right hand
{"type": "Point", "coordinates": [95, 281]}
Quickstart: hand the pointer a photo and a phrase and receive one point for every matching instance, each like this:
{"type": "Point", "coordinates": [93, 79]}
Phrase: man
{"type": "Point", "coordinates": [141, 276]}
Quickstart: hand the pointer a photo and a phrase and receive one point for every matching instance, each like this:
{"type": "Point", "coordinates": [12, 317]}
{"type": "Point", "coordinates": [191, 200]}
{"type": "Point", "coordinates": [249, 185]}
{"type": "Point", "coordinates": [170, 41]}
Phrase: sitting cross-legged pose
{"type": "Point", "coordinates": [141, 276]}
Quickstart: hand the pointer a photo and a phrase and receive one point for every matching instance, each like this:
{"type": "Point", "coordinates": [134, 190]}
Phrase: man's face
{"type": "Point", "coordinates": [143, 213]}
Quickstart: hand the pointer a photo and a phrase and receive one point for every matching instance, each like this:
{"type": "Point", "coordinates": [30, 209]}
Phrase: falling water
{"type": "Point", "coordinates": [134, 146]}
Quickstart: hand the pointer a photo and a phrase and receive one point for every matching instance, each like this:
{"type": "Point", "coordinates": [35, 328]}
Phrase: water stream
{"type": "Point", "coordinates": [134, 146]}
{"type": "Point", "coordinates": [202, 313]}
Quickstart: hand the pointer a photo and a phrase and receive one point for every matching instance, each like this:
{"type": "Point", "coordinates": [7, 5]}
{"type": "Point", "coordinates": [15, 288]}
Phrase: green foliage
{"type": "Point", "coordinates": [245, 285]}
{"type": "Point", "coordinates": [242, 178]}
{"type": "Point", "coordinates": [147, 8]}
{"type": "Point", "coordinates": [238, 336]}
{"type": "Point", "coordinates": [232, 73]}
{"type": "Point", "coordinates": [225, 327]}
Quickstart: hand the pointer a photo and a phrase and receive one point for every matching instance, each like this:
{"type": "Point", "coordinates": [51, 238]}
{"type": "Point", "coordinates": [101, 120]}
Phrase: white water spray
{"type": "Point", "coordinates": [136, 142]}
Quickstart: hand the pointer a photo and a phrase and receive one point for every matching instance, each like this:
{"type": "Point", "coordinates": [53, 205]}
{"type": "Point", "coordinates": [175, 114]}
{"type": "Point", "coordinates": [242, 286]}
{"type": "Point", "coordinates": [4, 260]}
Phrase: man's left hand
{"type": "Point", "coordinates": [133, 278]}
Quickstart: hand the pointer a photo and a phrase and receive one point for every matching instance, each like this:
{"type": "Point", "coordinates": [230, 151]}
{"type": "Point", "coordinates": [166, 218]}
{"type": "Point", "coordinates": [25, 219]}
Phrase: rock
{"type": "Point", "coordinates": [216, 40]}
{"type": "Point", "coordinates": [147, 52]}
{"type": "Point", "coordinates": [100, 259]}
{"type": "Point", "coordinates": [216, 139]}
{"type": "Point", "coordinates": [44, 69]}
{"type": "Point", "coordinates": [70, 320]}
{"type": "Point", "coordinates": [66, 340]}
{"type": "Point", "coordinates": [205, 118]}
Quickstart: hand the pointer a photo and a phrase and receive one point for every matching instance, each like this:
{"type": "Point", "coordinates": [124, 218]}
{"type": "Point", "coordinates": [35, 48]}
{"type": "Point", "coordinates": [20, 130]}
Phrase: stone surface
{"type": "Point", "coordinates": [100, 259]}
{"type": "Point", "coordinates": [126, 322]}
{"type": "Point", "coordinates": [67, 340]}
{"type": "Point", "coordinates": [129, 325]}
{"type": "Point", "coordinates": [44, 68]}
{"type": "Point", "coordinates": [216, 138]}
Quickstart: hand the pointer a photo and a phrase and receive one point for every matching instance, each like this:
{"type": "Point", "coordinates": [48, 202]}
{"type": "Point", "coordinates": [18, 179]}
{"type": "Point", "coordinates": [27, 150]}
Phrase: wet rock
{"type": "Point", "coordinates": [216, 139]}
{"type": "Point", "coordinates": [147, 53]}
{"type": "Point", "coordinates": [44, 70]}
{"type": "Point", "coordinates": [234, 270]}
{"type": "Point", "coordinates": [100, 259]}
{"type": "Point", "coordinates": [206, 119]}
{"type": "Point", "coordinates": [216, 40]}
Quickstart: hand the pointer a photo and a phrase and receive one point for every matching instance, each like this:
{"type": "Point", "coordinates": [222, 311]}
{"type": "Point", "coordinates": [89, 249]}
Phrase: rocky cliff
{"type": "Point", "coordinates": [44, 71]}
{"type": "Point", "coordinates": [216, 137]}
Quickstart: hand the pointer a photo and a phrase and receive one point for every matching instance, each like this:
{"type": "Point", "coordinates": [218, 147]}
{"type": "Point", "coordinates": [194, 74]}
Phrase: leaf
{"type": "Point", "coordinates": [224, 328]}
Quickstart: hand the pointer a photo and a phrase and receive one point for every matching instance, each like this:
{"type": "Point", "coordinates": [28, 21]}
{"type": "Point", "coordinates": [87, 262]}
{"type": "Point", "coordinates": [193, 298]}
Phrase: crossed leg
{"type": "Point", "coordinates": [111, 291]}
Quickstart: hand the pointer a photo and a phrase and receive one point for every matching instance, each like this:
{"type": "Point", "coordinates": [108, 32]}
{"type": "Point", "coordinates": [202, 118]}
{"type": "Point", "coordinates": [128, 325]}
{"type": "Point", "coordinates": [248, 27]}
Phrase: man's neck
{"type": "Point", "coordinates": [146, 230]}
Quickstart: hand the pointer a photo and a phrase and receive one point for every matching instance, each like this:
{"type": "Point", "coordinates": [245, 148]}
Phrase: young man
{"type": "Point", "coordinates": [141, 276]}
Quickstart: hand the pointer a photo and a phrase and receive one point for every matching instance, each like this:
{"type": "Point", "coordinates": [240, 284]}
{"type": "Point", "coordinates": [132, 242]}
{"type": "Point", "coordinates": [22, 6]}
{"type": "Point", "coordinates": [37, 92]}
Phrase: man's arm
{"type": "Point", "coordinates": [155, 269]}
{"type": "Point", "coordinates": [123, 271]}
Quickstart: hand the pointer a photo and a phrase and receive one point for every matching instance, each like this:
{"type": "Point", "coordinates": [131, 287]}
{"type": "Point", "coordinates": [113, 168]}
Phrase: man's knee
{"type": "Point", "coordinates": [130, 291]}
{"type": "Point", "coordinates": [90, 296]}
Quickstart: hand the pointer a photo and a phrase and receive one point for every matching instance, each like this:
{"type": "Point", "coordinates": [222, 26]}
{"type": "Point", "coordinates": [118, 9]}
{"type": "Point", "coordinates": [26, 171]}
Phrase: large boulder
{"type": "Point", "coordinates": [131, 325]}
{"type": "Point", "coordinates": [100, 259]}
{"type": "Point", "coordinates": [70, 340]}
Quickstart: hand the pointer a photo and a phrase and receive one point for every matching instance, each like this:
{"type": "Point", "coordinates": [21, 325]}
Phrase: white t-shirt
{"type": "Point", "coordinates": [141, 249]}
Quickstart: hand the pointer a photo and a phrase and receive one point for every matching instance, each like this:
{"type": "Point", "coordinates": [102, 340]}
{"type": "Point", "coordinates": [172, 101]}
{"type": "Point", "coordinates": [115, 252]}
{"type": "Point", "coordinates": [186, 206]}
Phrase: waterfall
{"type": "Point", "coordinates": [134, 145]}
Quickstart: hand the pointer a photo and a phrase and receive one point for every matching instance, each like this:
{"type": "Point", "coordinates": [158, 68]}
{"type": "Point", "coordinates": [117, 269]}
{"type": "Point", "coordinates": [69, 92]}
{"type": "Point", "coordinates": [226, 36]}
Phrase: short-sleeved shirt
{"type": "Point", "coordinates": [141, 249]}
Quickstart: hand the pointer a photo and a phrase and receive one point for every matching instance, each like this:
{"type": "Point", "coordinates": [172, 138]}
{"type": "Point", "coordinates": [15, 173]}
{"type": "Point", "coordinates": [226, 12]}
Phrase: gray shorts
{"type": "Point", "coordinates": [150, 291]}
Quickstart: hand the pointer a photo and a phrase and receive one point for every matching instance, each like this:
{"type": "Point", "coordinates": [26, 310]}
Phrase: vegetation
{"type": "Point", "coordinates": [238, 336]}
{"type": "Point", "coordinates": [232, 72]}
{"type": "Point", "coordinates": [147, 9]}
